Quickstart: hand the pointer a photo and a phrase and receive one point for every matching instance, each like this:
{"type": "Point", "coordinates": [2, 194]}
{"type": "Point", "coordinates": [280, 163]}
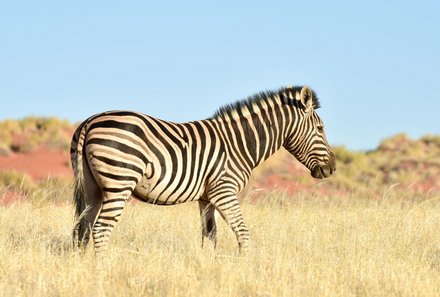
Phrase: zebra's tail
{"type": "Point", "coordinates": [79, 193]}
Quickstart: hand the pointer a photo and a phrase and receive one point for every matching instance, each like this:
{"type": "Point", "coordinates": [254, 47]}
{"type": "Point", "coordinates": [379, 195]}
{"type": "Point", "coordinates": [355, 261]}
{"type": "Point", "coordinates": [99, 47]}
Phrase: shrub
{"type": "Point", "coordinates": [31, 132]}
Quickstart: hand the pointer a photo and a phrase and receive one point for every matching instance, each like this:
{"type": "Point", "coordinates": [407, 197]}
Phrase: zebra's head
{"type": "Point", "coordinates": [306, 138]}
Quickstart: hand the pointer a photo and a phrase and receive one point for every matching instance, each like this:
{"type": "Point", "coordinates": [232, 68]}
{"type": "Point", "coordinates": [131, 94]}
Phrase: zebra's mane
{"type": "Point", "coordinates": [265, 96]}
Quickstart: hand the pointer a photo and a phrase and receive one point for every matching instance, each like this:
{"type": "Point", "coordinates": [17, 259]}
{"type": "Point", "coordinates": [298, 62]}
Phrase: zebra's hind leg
{"type": "Point", "coordinates": [229, 208]}
{"type": "Point", "coordinates": [114, 201]}
{"type": "Point", "coordinates": [208, 220]}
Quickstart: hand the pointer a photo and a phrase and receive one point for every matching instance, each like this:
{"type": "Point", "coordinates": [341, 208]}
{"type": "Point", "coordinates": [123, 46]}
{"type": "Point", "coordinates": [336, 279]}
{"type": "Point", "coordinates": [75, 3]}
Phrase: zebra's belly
{"type": "Point", "coordinates": [167, 192]}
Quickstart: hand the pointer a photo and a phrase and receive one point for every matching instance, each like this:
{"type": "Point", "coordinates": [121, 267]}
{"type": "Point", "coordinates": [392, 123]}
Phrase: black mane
{"type": "Point", "coordinates": [270, 95]}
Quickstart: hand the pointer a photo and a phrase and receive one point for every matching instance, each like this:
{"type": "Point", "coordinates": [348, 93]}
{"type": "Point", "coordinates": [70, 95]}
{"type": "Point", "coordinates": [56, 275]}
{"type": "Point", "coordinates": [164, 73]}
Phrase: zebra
{"type": "Point", "coordinates": [117, 155]}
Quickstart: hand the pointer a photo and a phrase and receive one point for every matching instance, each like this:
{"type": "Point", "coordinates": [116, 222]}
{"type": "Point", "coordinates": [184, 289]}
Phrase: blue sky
{"type": "Point", "coordinates": [374, 64]}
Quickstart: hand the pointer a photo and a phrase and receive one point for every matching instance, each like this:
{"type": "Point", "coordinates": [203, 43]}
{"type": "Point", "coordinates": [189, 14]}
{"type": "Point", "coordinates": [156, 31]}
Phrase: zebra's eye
{"type": "Point", "coordinates": [320, 129]}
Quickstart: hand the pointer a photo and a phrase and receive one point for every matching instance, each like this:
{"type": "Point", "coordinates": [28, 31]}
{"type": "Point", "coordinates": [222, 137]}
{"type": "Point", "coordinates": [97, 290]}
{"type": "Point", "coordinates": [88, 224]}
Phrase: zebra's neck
{"type": "Point", "coordinates": [256, 130]}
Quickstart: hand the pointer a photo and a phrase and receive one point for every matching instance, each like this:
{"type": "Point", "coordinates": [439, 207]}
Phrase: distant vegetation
{"type": "Point", "coordinates": [414, 165]}
{"type": "Point", "coordinates": [31, 132]}
{"type": "Point", "coordinates": [26, 136]}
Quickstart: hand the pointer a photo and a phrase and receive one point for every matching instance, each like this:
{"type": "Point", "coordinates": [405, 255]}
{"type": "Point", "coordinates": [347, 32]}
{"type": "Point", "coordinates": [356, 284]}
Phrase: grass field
{"type": "Point", "coordinates": [303, 246]}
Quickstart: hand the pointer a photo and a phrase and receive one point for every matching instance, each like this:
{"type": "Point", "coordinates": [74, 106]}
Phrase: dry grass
{"type": "Point", "coordinates": [309, 247]}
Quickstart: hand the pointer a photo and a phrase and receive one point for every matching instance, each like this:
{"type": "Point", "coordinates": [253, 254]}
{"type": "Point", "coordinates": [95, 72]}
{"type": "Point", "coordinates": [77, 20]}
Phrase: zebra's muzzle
{"type": "Point", "coordinates": [324, 170]}
{"type": "Point", "coordinates": [321, 171]}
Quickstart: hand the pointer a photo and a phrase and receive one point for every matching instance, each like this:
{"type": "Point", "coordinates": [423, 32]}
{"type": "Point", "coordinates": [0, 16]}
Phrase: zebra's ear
{"type": "Point", "coordinates": [306, 98]}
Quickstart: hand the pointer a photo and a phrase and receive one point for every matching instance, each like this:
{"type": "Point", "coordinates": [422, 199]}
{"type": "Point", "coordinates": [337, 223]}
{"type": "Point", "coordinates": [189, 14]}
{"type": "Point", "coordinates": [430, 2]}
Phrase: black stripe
{"type": "Point", "coordinates": [241, 151]}
{"type": "Point", "coordinates": [193, 158]}
{"type": "Point", "coordinates": [118, 177]}
{"type": "Point", "coordinates": [111, 209]}
{"type": "Point", "coordinates": [108, 218]}
{"type": "Point", "coordinates": [249, 134]}
{"type": "Point", "coordinates": [281, 128]}
{"type": "Point", "coordinates": [261, 137]}
{"type": "Point", "coordinates": [100, 224]}
{"type": "Point", "coordinates": [166, 130]}
{"type": "Point", "coordinates": [231, 157]}
{"type": "Point", "coordinates": [113, 200]}
{"type": "Point", "coordinates": [184, 161]}
{"type": "Point", "coordinates": [211, 156]}
{"type": "Point", "coordinates": [119, 164]}
{"type": "Point", "coordinates": [267, 123]}
{"type": "Point", "coordinates": [273, 130]}
{"type": "Point", "coordinates": [171, 150]}
{"type": "Point", "coordinates": [117, 190]}
{"type": "Point", "coordinates": [118, 146]}
{"type": "Point", "coordinates": [198, 173]}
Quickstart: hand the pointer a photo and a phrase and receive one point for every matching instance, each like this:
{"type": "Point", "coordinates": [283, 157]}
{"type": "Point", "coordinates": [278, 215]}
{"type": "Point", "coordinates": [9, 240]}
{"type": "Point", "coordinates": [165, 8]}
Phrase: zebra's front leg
{"type": "Point", "coordinates": [230, 210]}
{"type": "Point", "coordinates": [112, 207]}
{"type": "Point", "coordinates": [208, 220]}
